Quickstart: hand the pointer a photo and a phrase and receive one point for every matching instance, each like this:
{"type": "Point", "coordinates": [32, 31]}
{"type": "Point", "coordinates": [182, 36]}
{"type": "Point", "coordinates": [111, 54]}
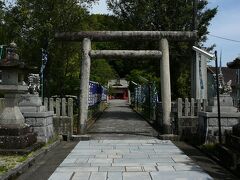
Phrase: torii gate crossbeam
{"type": "Point", "coordinates": [127, 35]}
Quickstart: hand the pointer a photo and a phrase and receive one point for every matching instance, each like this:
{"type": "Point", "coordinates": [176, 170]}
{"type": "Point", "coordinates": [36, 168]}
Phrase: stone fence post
{"type": "Point", "coordinates": [45, 103]}
{"type": "Point", "coordinates": [70, 107]}
{"type": "Point", "coordinates": [64, 107]}
{"type": "Point", "coordinates": [70, 112]}
{"type": "Point", "coordinates": [190, 109]}
{"type": "Point", "coordinates": [51, 106]}
{"type": "Point", "coordinates": [58, 111]}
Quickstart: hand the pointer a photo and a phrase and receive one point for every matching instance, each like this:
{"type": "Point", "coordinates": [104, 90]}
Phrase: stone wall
{"type": "Point", "coordinates": [187, 127]}
{"type": "Point", "coordinates": [192, 121]}
{"type": "Point", "coordinates": [208, 120]}
{"type": "Point", "coordinates": [42, 124]}
{"type": "Point", "coordinates": [208, 125]}
{"type": "Point", "coordinates": [62, 114]}
{"type": "Point", "coordinates": [36, 116]}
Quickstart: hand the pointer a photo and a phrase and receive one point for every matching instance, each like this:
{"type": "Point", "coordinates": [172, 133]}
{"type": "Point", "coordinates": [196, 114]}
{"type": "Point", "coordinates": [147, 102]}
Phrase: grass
{"type": "Point", "coordinates": [210, 148]}
{"type": "Point", "coordinates": [8, 162]}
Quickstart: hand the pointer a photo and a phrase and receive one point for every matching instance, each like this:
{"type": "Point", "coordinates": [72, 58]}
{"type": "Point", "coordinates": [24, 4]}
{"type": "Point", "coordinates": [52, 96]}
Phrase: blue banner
{"type": "Point", "coordinates": [97, 93]}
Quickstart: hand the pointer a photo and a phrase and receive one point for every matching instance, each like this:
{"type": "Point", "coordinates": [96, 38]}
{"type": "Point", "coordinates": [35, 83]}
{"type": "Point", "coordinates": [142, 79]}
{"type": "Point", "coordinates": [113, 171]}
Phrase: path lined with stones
{"type": "Point", "coordinates": [125, 150]}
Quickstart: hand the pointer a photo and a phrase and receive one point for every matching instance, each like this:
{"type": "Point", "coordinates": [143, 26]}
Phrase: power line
{"type": "Point", "coordinates": [227, 39]}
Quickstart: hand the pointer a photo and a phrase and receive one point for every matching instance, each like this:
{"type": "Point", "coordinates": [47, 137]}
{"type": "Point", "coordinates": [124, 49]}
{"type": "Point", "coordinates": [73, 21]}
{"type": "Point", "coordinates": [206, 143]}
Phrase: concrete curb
{"type": "Point", "coordinates": [20, 169]}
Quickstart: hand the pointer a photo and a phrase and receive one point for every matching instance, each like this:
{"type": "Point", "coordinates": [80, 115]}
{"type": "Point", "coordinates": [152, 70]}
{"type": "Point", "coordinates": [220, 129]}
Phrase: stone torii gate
{"type": "Point", "coordinates": [163, 55]}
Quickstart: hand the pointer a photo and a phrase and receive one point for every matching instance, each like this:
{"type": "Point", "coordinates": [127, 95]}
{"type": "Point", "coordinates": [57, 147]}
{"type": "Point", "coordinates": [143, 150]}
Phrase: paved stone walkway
{"type": "Point", "coordinates": [120, 122]}
{"type": "Point", "coordinates": [132, 155]}
{"type": "Point", "coordinates": [127, 160]}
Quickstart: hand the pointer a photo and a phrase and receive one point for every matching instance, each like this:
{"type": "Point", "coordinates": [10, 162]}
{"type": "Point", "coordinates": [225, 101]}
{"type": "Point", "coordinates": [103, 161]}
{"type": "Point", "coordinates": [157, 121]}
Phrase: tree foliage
{"type": "Point", "coordinates": [32, 25]}
{"type": "Point", "coordinates": [165, 15]}
{"type": "Point", "coordinates": [101, 71]}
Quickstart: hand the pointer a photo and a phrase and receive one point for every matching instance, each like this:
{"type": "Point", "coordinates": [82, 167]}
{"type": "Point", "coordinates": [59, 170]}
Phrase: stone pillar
{"type": "Point", "coordinates": [165, 85]}
{"type": "Point", "coordinates": [84, 84]}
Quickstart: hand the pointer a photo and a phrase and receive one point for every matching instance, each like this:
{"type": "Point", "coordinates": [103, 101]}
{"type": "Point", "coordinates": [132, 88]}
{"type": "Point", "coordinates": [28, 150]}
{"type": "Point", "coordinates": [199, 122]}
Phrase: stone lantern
{"type": "Point", "coordinates": [14, 133]}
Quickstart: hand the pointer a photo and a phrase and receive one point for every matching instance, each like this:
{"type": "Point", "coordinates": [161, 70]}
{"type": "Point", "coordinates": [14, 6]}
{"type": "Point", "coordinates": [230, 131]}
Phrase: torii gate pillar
{"type": "Point", "coordinates": [165, 86]}
{"type": "Point", "coordinates": [84, 84]}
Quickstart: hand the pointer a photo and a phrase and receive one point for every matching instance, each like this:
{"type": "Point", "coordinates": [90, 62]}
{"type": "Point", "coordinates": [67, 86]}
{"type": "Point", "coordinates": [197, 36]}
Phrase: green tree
{"type": "Point", "coordinates": [32, 24]}
{"type": "Point", "coordinates": [164, 15]}
{"type": "Point", "coordinates": [1, 15]}
{"type": "Point", "coordinates": [101, 71]}
{"type": "Point", "coordinates": [141, 77]}
{"type": "Point", "coordinates": [2, 22]}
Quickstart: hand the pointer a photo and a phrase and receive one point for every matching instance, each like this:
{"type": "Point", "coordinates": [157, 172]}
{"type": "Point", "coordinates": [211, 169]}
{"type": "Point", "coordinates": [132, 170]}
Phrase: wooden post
{"type": "Point", "coordinates": [165, 86]}
{"type": "Point", "coordinates": [84, 85]}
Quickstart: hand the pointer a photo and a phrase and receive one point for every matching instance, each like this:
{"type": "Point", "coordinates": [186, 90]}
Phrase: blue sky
{"type": "Point", "coordinates": [225, 24]}
{"type": "Point", "coordinates": [100, 7]}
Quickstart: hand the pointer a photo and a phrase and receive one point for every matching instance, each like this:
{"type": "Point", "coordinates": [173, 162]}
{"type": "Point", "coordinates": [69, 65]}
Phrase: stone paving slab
{"type": "Point", "coordinates": [117, 162]}
{"type": "Point", "coordinates": [123, 147]}
{"type": "Point", "coordinates": [61, 175]}
{"type": "Point", "coordinates": [167, 168]}
{"type": "Point", "coordinates": [115, 176]}
{"type": "Point", "coordinates": [180, 175]}
{"type": "Point", "coordinates": [112, 168]}
{"type": "Point", "coordinates": [81, 176]}
{"type": "Point", "coordinates": [98, 176]}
